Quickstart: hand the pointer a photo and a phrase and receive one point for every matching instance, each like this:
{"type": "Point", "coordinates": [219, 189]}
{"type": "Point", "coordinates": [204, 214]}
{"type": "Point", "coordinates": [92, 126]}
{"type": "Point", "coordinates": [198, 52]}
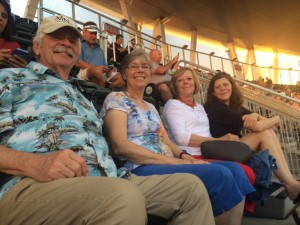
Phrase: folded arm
{"type": "Point", "coordinates": [257, 123]}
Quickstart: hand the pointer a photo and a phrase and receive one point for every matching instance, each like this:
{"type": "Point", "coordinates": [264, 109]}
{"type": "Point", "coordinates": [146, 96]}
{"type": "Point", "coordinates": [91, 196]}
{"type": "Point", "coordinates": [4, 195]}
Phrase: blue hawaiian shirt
{"type": "Point", "coordinates": [41, 113]}
{"type": "Point", "coordinates": [143, 127]}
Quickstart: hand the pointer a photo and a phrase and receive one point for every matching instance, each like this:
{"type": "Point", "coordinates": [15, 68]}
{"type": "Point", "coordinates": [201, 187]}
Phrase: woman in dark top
{"type": "Point", "coordinates": [7, 44]}
{"type": "Point", "coordinates": [227, 115]}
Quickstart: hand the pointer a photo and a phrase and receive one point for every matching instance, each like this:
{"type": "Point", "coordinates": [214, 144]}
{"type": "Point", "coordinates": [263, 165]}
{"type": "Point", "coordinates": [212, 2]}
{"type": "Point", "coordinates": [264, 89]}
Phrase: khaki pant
{"type": "Point", "coordinates": [107, 201]}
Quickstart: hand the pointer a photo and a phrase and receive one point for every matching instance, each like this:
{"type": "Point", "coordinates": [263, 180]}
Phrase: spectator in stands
{"type": "Point", "coordinates": [7, 44]}
{"type": "Point", "coordinates": [186, 121]}
{"type": "Point", "coordinates": [269, 83]}
{"type": "Point", "coordinates": [92, 61]}
{"type": "Point", "coordinates": [226, 114]}
{"type": "Point", "coordinates": [136, 132]}
{"type": "Point", "coordinates": [54, 160]}
{"type": "Point", "coordinates": [132, 44]}
{"type": "Point", "coordinates": [162, 74]}
{"type": "Point", "coordinates": [119, 50]}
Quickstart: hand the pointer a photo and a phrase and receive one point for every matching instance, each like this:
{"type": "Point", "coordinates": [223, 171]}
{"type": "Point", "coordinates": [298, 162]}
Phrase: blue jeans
{"type": "Point", "coordinates": [225, 182]}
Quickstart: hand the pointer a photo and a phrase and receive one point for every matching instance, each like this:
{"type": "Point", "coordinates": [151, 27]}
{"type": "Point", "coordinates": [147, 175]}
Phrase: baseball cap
{"type": "Point", "coordinates": [53, 23]}
{"type": "Point", "coordinates": [90, 26]}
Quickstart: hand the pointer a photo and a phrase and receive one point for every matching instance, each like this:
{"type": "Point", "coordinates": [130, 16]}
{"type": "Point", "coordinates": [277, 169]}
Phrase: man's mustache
{"type": "Point", "coordinates": [63, 49]}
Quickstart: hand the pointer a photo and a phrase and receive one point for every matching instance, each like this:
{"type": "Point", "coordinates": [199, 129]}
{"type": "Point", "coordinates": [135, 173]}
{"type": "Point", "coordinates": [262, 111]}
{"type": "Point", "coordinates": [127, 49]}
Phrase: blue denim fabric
{"type": "Point", "coordinates": [263, 164]}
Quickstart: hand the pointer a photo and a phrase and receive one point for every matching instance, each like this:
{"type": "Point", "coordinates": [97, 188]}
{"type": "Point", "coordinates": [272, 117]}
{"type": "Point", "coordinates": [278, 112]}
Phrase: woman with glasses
{"type": "Point", "coordinates": [136, 132]}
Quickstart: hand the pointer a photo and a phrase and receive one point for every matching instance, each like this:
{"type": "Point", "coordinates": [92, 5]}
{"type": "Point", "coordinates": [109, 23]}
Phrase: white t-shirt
{"type": "Point", "coordinates": [156, 79]}
{"type": "Point", "coordinates": [181, 121]}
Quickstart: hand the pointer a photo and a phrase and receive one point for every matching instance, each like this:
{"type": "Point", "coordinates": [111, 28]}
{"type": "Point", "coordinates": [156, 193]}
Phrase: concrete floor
{"type": "Point", "coordinates": [266, 221]}
{"type": "Point", "coordinates": [263, 221]}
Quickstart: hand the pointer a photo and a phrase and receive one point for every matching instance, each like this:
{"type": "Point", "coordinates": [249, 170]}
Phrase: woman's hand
{"type": "Point", "coordinates": [17, 62]}
{"type": "Point", "coordinates": [250, 121]}
{"type": "Point", "coordinates": [4, 57]}
{"type": "Point", "coordinates": [192, 160]}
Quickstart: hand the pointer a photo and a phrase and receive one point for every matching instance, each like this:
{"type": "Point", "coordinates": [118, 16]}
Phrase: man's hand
{"type": "Point", "coordinates": [175, 59]}
{"type": "Point", "coordinates": [95, 74]}
{"type": "Point", "coordinates": [60, 165]}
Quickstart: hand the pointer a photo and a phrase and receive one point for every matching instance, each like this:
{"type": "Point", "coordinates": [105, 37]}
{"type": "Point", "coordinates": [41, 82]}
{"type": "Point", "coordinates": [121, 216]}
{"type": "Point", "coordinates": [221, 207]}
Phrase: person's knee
{"type": "Point", "coordinates": [267, 133]}
{"type": "Point", "coordinates": [126, 200]}
{"type": "Point", "coordinates": [197, 186]}
{"type": "Point", "coordinates": [237, 170]}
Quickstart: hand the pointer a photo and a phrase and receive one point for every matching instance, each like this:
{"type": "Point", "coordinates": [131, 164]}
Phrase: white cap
{"type": "Point", "coordinates": [53, 23]}
{"type": "Point", "coordinates": [91, 28]}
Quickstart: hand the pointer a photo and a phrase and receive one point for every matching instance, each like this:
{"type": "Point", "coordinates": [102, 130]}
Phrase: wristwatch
{"type": "Point", "coordinates": [183, 152]}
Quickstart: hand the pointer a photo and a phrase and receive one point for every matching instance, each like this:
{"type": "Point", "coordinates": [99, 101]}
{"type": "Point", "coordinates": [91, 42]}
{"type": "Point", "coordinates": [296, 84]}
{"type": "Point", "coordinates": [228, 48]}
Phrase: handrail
{"type": "Point", "coordinates": [225, 64]}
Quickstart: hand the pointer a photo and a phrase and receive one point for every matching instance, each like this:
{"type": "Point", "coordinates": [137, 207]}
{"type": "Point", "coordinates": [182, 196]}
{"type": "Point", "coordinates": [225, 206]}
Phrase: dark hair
{"type": "Point", "coordinates": [118, 36]}
{"type": "Point", "coordinates": [236, 98]}
{"type": "Point", "coordinates": [7, 32]}
{"type": "Point", "coordinates": [89, 23]}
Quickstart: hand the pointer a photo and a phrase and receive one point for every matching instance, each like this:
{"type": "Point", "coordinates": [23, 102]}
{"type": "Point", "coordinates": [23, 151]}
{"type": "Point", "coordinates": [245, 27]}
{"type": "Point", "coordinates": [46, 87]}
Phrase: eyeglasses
{"type": "Point", "coordinates": [135, 67]}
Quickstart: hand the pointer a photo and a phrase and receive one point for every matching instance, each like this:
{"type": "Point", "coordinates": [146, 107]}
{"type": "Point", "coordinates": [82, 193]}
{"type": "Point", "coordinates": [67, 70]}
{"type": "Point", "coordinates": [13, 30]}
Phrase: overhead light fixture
{"type": "Point", "coordinates": [185, 46]}
{"type": "Point", "coordinates": [124, 21]}
{"type": "Point", "coordinates": [165, 20]}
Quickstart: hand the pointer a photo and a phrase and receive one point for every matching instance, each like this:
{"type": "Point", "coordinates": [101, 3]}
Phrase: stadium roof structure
{"type": "Point", "coordinates": [246, 23]}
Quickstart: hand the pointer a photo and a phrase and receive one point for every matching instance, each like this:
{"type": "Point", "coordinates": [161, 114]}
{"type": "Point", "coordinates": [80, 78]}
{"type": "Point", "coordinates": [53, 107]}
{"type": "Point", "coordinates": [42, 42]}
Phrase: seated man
{"type": "Point", "coordinates": [162, 74]}
{"type": "Point", "coordinates": [92, 61]}
{"type": "Point", "coordinates": [54, 162]}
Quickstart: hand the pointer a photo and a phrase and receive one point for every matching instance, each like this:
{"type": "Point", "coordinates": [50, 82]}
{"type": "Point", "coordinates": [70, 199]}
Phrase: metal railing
{"type": "Point", "coordinates": [237, 69]}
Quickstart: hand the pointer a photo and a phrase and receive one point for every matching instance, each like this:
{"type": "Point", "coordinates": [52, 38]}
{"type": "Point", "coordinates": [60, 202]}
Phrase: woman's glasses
{"type": "Point", "coordinates": [135, 67]}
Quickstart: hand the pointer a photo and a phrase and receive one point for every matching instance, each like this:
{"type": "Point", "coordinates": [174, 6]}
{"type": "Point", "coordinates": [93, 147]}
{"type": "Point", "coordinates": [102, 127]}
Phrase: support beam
{"type": "Point", "coordinates": [275, 65]}
{"type": "Point", "coordinates": [30, 9]}
{"type": "Point", "coordinates": [193, 54]}
{"type": "Point", "coordinates": [231, 48]}
{"type": "Point", "coordinates": [125, 7]}
{"type": "Point", "coordinates": [237, 68]}
{"type": "Point", "coordinates": [251, 59]}
{"type": "Point", "coordinates": [159, 31]}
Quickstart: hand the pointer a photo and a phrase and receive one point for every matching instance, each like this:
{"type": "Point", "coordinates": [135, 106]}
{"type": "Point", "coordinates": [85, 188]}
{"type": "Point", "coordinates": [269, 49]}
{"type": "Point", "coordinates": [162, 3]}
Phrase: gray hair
{"type": "Point", "coordinates": [39, 37]}
{"type": "Point", "coordinates": [136, 53]}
